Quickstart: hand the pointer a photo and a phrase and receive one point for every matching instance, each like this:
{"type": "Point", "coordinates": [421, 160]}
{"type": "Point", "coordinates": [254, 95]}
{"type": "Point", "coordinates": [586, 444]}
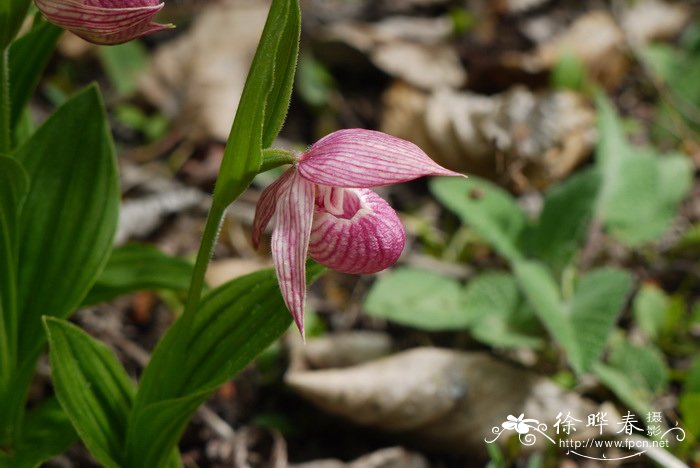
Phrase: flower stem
{"type": "Point", "coordinates": [273, 158]}
{"type": "Point", "coordinates": [5, 130]}
{"type": "Point", "coordinates": [206, 249]}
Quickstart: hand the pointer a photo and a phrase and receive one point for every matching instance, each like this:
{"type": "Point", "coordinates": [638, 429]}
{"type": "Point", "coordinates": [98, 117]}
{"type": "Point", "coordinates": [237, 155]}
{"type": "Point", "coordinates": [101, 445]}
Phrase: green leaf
{"type": "Point", "coordinates": [563, 224]}
{"type": "Point", "coordinates": [93, 388]}
{"type": "Point", "coordinates": [29, 55]}
{"type": "Point", "coordinates": [234, 323]}
{"type": "Point", "coordinates": [629, 392]}
{"type": "Point", "coordinates": [542, 293]}
{"type": "Point", "coordinates": [644, 365]}
{"type": "Point", "coordinates": [136, 268]}
{"type": "Point", "coordinates": [285, 65]}
{"type": "Point", "coordinates": [650, 306]}
{"type": "Point", "coordinates": [13, 190]}
{"type": "Point", "coordinates": [419, 299]}
{"type": "Point", "coordinates": [12, 14]}
{"type": "Point", "coordinates": [123, 64]}
{"type": "Point", "coordinates": [595, 308]}
{"type": "Point", "coordinates": [640, 190]}
{"type": "Point", "coordinates": [70, 215]}
{"type": "Point", "coordinates": [486, 208]}
{"type": "Point", "coordinates": [492, 305]}
{"type": "Point", "coordinates": [268, 85]}
{"type": "Point", "coordinates": [46, 432]}
{"type": "Point", "coordinates": [314, 82]}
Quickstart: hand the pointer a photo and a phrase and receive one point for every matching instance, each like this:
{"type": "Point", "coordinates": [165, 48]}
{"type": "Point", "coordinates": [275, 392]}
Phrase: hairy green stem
{"type": "Point", "coordinates": [206, 249]}
{"type": "Point", "coordinates": [273, 158]}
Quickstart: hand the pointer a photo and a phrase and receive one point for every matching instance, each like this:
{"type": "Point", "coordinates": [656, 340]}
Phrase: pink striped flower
{"type": "Point", "coordinates": [324, 208]}
{"type": "Point", "coordinates": [106, 22]}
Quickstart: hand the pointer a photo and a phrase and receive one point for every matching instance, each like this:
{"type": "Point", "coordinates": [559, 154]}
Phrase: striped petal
{"type": "Point", "coordinates": [290, 242]}
{"type": "Point", "coordinates": [267, 204]}
{"type": "Point", "coordinates": [358, 158]}
{"type": "Point", "coordinates": [356, 232]}
{"type": "Point", "coordinates": [104, 22]}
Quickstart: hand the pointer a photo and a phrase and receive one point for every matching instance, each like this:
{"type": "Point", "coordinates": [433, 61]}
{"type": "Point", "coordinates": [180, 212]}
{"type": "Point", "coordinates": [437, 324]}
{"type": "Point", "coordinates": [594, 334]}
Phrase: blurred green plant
{"type": "Point", "coordinates": [633, 194]}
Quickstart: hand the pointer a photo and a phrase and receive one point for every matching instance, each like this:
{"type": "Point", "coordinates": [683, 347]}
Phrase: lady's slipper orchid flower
{"type": "Point", "coordinates": [105, 22]}
{"type": "Point", "coordinates": [324, 208]}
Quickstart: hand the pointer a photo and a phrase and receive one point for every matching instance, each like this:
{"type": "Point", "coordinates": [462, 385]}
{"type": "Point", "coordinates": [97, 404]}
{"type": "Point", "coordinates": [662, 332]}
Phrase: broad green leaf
{"type": "Point", "coordinates": [160, 426]}
{"type": "Point", "coordinates": [28, 58]}
{"type": "Point", "coordinates": [640, 189]}
{"type": "Point", "coordinates": [123, 64]}
{"type": "Point", "coordinates": [419, 299]}
{"type": "Point", "coordinates": [542, 293]}
{"type": "Point", "coordinates": [255, 124]}
{"type": "Point", "coordinates": [649, 308]}
{"type": "Point", "coordinates": [284, 69]}
{"type": "Point", "coordinates": [595, 308]}
{"type": "Point", "coordinates": [630, 393]}
{"type": "Point", "coordinates": [644, 365]}
{"type": "Point", "coordinates": [136, 268]}
{"type": "Point", "coordinates": [68, 219]}
{"type": "Point", "coordinates": [563, 224]}
{"type": "Point", "coordinates": [486, 208]}
{"type": "Point", "coordinates": [234, 323]}
{"type": "Point", "coordinates": [93, 388]}
{"type": "Point", "coordinates": [46, 432]}
{"type": "Point", "coordinates": [492, 304]}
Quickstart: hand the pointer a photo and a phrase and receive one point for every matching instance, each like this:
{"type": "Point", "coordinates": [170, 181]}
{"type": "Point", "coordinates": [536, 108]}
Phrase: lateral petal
{"type": "Point", "coordinates": [290, 243]}
{"type": "Point", "coordinates": [370, 241]}
{"type": "Point", "coordinates": [358, 158]}
{"type": "Point", "coordinates": [267, 204]}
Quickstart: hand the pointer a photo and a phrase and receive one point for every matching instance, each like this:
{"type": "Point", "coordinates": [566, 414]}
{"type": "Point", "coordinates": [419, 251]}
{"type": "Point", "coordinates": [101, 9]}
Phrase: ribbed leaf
{"type": "Point", "coordinates": [28, 58]}
{"type": "Point", "coordinates": [70, 214]}
{"type": "Point", "coordinates": [93, 388]}
{"type": "Point", "coordinates": [46, 432]}
{"type": "Point", "coordinates": [543, 294]}
{"type": "Point", "coordinates": [136, 268]}
{"type": "Point", "coordinates": [234, 323]}
{"type": "Point", "coordinates": [486, 208]}
{"type": "Point", "coordinates": [562, 226]}
{"type": "Point", "coordinates": [263, 104]}
{"type": "Point", "coordinates": [596, 305]}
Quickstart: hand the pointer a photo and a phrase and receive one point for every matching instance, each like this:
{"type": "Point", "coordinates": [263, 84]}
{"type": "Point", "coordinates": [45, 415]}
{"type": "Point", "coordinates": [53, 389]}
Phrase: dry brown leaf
{"type": "Point", "coordinates": [648, 20]}
{"type": "Point", "coordinates": [596, 40]}
{"type": "Point", "coordinates": [198, 77]}
{"type": "Point", "coordinates": [518, 136]}
{"type": "Point", "coordinates": [415, 50]}
{"type": "Point", "coordinates": [442, 399]}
